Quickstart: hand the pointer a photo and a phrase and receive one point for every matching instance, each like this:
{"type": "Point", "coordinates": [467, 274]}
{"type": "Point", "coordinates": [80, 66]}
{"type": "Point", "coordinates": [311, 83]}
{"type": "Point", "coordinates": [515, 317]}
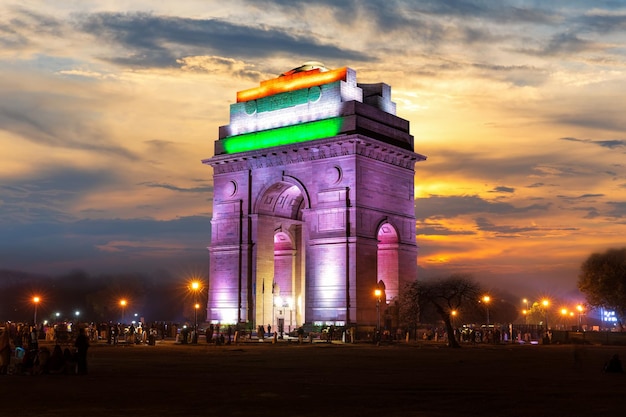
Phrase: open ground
{"type": "Point", "coordinates": [287, 379]}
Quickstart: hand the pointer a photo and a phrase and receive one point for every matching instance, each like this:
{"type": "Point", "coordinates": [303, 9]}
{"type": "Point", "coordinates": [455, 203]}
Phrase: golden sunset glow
{"type": "Point", "coordinates": [518, 107]}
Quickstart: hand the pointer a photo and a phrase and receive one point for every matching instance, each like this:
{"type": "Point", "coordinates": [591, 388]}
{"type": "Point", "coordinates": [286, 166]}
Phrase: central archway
{"type": "Point", "coordinates": [280, 213]}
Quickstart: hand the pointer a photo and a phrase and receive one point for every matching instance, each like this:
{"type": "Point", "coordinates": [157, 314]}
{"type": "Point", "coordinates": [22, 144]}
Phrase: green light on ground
{"type": "Point", "coordinates": [283, 135]}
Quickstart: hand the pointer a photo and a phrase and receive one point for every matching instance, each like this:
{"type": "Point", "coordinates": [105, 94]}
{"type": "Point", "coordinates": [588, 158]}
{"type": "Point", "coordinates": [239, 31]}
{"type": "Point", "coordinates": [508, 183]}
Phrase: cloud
{"type": "Point", "coordinates": [46, 194]}
{"type": "Point", "coordinates": [604, 21]}
{"type": "Point", "coordinates": [580, 197]}
{"type": "Point", "coordinates": [430, 228]}
{"type": "Point", "coordinates": [394, 13]}
{"type": "Point", "coordinates": [486, 225]}
{"type": "Point", "coordinates": [160, 41]}
{"type": "Point", "coordinates": [503, 189]}
{"type": "Point", "coordinates": [610, 144]}
{"type": "Point", "coordinates": [22, 23]}
{"type": "Point", "coordinates": [56, 114]}
{"type": "Point", "coordinates": [569, 44]}
{"type": "Point", "coordinates": [221, 65]}
{"type": "Point", "coordinates": [618, 209]}
{"type": "Point", "coordinates": [452, 206]}
{"type": "Point", "coordinates": [180, 189]}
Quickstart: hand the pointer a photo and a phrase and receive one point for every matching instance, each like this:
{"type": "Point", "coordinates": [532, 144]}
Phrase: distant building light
{"type": "Point", "coordinates": [609, 316]}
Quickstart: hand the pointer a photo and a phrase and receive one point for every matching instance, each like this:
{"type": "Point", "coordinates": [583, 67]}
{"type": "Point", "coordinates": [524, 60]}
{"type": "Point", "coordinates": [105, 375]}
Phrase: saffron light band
{"type": "Point", "coordinates": [292, 82]}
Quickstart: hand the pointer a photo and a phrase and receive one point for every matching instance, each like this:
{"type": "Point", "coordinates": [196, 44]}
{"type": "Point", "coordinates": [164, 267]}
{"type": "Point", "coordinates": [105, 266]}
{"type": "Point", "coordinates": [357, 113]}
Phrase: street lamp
{"type": "Point", "coordinates": [290, 305]}
{"type": "Point", "coordinates": [36, 301]}
{"type": "Point", "coordinates": [195, 287]}
{"type": "Point", "coordinates": [486, 300]}
{"type": "Point", "coordinates": [453, 314]}
{"type": "Point", "coordinates": [545, 304]}
{"type": "Point", "coordinates": [195, 318]}
{"type": "Point", "coordinates": [378, 293]}
{"type": "Point", "coordinates": [580, 315]}
{"type": "Point", "coordinates": [525, 312]}
{"type": "Point", "coordinates": [123, 305]}
{"type": "Point", "coordinates": [564, 313]}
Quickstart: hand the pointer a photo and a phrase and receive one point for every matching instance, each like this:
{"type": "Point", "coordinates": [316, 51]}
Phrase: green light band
{"type": "Point", "coordinates": [283, 135]}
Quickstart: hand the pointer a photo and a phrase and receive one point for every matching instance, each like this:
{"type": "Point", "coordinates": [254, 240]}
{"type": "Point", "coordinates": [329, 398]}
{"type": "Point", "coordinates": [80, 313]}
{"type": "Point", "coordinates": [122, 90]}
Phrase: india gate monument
{"type": "Point", "coordinates": [313, 206]}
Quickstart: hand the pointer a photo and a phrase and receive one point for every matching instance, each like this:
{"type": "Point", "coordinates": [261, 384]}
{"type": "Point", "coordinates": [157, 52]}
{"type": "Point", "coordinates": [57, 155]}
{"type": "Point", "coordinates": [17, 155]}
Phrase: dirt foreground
{"type": "Point", "coordinates": [264, 379]}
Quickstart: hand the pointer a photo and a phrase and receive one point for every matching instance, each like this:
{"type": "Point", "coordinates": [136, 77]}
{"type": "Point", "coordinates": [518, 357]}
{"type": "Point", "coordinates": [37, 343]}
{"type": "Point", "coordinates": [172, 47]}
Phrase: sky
{"type": "Point", "coordinates": [108, 107]}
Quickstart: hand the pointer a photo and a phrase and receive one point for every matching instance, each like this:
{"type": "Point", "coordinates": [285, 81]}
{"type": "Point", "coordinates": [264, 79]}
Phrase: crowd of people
{"type": "Point", "coordinates": [21, 354]}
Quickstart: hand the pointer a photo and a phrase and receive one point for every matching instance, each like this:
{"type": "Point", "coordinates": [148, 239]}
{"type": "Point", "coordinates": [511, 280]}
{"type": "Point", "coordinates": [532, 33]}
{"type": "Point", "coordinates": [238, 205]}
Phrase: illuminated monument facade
{"type": "Point", "coordinates": [313, 206]}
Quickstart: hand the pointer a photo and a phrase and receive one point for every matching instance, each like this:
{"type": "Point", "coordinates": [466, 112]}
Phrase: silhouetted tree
{"type": "Point", "coordinates": [458, 292]}
{"type": "Point", "coordinates": [408, 307]}
{"type": "Point", "coordinates": [603, 281]}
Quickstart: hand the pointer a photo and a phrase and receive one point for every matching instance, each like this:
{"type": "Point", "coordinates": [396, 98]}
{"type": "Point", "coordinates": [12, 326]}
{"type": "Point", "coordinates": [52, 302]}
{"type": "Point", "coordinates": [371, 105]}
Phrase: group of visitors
{"type": "Point", "coordinates": [31, 359]}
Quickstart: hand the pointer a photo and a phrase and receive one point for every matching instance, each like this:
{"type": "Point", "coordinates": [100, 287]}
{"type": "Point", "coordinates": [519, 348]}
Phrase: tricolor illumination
{"type": "Point", "coordinates": [292, 82]}
{"type": "Point", "coordinates": [283, 136]}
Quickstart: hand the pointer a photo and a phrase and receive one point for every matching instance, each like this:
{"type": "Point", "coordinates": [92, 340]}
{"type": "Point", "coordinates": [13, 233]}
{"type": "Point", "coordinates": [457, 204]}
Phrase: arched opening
{"type": "Point", "coordinates": [280, 264]}
{"type": "Point", "coordinates": [388, 260]}
{"type": "Point", "coordinates": [388, 270]}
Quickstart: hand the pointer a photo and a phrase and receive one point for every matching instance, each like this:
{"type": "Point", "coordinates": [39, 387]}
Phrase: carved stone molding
{"type": "Point", "coordinates": [312, 151]}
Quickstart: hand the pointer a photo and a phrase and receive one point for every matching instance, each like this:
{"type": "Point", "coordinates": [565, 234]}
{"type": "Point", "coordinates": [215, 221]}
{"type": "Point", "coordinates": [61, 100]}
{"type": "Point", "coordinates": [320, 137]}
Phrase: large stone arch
{"type": "Point", "coordinates": [309, 170]}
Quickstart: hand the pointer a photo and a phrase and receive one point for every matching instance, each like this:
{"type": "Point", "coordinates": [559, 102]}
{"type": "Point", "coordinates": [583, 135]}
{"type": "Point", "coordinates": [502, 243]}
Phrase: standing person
{"type": "Point", "coordinates": [209, 333]}
{"type": "Point", "coordinates": [33, 338]}
{"type": "Point", "coordinates": [81, 344]}
{"type": "Point", "coordinates": [269, 329]}
{"type": "Point", "coordinates": [5, 350]}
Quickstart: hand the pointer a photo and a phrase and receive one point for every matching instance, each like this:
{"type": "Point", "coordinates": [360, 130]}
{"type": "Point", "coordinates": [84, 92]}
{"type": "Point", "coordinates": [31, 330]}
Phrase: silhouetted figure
{"type": "Point", "coordinates": [33, 342]}
{"type": "Point", "coordinates": [56, 363]}
{"type": "Point", "coordinates": [69, 362]}
{"type": "Point", "coordinates": [5, 351]}
{"type": "Point", "coordinates": [43, 360]}
{"type": "Point", "coordinates": [614, 365]}
{"type": "Point", "coordinates": [300, 334]}
{"type": "Point", "coordinates": [81, 345]}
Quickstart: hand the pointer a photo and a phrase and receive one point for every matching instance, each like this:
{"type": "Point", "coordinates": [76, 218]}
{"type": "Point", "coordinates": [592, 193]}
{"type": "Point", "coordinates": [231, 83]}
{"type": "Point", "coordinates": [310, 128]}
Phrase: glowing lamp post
{"type": "Point", "coordinates": [123, 305]}
{"type": "Point", "coordinates": [195, 287]}
{"type": "Point", "coordinates": [486, 300]}
{"type": "Point", "coordinates": [564, 313]}
{"type": "Point", "coordinates": [525, 312]}
{"type": "Point", "coordinates": [580, 316]}
{"type": "Point", "coordinates": [545, 303]}
{"type": "Point", "coordinates": [378, 293]}
{"type": "Point", "coordinates": [290, 304]}
{"type": "Point", "coordinates": [195, 316]}
{"type": "Point", "coordinates": [36, 301]}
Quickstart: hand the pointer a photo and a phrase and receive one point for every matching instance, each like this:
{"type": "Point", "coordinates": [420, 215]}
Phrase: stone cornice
{"type": "Point", "coordinates": [315, 150]}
